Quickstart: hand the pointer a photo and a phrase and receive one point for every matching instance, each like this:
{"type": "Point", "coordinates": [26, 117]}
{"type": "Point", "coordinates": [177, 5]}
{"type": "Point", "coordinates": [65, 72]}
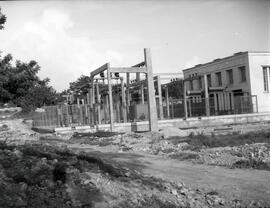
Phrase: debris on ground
{"type": "Point", "coordinates": [251, 150]}
{"type": "Point", "coordinates": [34, 175]}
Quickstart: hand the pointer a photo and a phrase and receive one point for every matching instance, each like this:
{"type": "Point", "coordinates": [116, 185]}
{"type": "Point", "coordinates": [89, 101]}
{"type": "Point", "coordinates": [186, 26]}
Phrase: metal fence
{"type": "Point", "coordinates": [77, 115]}
{"type": "Point", "coordinates": [62, 116]}
{"type": "Point", "coordinates": [196, 107]}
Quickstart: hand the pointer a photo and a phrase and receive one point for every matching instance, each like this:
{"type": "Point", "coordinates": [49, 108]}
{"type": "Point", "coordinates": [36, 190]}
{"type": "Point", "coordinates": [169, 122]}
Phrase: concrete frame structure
{"type": "Point", "coordinates": [143, 67]}
{"type": "Point", "coordinates": [241, 74]}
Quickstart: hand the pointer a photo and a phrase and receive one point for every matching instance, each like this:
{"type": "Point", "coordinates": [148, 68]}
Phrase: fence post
{"type": "Point", "coordinates": [185, 101]}
{"type": "Point", "coordinates": [207, 110]}
{"type": "Point", "coordinates": [159, 97]}
{"type": "Point", "coordinates": [167, 101]}
{"type": "Point", "coordinates": [98, 103]}
{"type": "Point", "coordinates": [172, 108]}
{"type": "Point", "coordinates": [124, 107]}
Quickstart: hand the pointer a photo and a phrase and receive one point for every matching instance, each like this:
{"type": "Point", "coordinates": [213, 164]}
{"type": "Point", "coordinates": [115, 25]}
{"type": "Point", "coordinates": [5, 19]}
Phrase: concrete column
{"type": "Point", "coordinates": [93, 102]}
{"type": "Point", "coordinates": [207, 109]}
{"type": "Point", "coordinates": [185, 100]}
{"type": "Point", "coordinates": [232, 101]}
{"type": "Point", "coordinates": [142, 93]}
{"type": "Point", "coordinates": [128, 95]}
{"type": "Point", "coordinates": [152, 108]}
{"type": "Point", "coordinates": [98, 103]}
{"type": "Point", "coordinates": [167, 101]}
{"type": "Point", "coordinates": [215, 102]}
{"type": "Point", "coordinates": [110, 97]}
{"type": "Point", "coordinates": [124, 107]}
{"type": "Point", "coordinates": [106, 108]}
{"type": "Point", "coordinates": [160, 98]}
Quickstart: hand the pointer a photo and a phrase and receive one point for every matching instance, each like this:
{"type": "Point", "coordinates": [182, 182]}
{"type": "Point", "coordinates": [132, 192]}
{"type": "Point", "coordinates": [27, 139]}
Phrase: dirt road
{"type": "Point", "coordinates": [233, 184]}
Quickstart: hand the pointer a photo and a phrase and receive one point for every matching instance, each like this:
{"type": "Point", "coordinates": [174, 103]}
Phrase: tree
{"type": "Point", "coordinates": [2, 20]}
{"type": "Point", "coordinates": [21, 85]}
{"type": "Point", "coordinates": [82, 84]}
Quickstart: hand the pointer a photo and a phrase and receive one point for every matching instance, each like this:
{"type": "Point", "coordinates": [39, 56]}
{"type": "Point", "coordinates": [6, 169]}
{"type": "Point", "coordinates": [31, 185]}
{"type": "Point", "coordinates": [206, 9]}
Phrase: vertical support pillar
{"type": "Point", "coordinates": [189, 106]}
{"type": "Point", "coordinates": [124, 107]}
{"type": "Point", "coordinates": [105, 108]}
{"type": "Point", "coordinates": [160, 98]}
{"type": "Point", "coordinates": [142, 93]}
{"type": "Point", "coordinates": [207, 110]}
{"type": "Point", "coordinates": [138, 77]}
{"type": "Point", "coordinates": [215, 102]}
{"type": "Point", "coordinates": [98, 103]}
{"type": "Point", "coordinates": [110, 97]}
{"type": "Point", "coordinates": [152, 108]}
{"type": "Point", "coordinates": [185, 100]}
{"type": "Point", "coordinates": [172, 108]}
{"type": "Point", "coordinates": [93, 102]}
{"type": "Point", "coordinates": [167, 101]}
{"type": "Point", "coordinates": [116, 101]}
{"type": "Point", "coordinates": [91, 120]}
{"type": "Point", "coordinates": [128, 95]}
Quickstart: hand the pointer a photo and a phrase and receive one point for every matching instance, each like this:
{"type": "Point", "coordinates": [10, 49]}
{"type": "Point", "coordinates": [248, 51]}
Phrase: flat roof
{"type": "Point", "coordinates": [228, 57]}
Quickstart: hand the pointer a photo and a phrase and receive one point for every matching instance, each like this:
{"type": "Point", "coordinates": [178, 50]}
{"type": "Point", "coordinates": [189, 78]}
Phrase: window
{"type": "Point", "coordinates": [242, 71]}
{"type": "Point", "coordinates": [209, 80]}
{"type": "Point", "coordinates": [265, 79]}
{"type": "Point", "coordinates": [230, 76]}
{"type": "Point", "coordinates": [219, 81]}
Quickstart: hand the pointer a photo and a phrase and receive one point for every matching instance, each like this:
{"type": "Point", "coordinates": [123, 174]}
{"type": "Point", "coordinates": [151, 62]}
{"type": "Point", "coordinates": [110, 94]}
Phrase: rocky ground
{"type": "Point", "coordinates": [250, 150]}
{"type": "Point", "coordinates": [41, 170]}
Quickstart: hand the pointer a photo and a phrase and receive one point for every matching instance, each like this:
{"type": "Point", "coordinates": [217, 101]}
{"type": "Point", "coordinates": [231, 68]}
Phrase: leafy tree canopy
{"type": "Point", "coordinates": [21, 85]}
{"type": "Point", "coordinates": [2, 20]}
{"type": "Point", "coordinates": [81, 85]}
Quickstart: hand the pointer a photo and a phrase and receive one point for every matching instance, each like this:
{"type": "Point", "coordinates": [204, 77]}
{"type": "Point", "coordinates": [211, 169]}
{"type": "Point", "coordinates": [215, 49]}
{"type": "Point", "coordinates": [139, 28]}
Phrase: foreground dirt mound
{"type": "Point", "coordinates": [45, 176]}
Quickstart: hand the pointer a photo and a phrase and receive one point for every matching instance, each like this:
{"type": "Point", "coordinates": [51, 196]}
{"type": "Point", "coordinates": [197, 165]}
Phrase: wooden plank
{"type": "Point", "coordinates": [110, 98]}
{"type": "Point", "coordinates": [100, 69]}
{"type": "Point", "coordinates": [153, 121]}
{"type": "Point", "coordinates": [128, 69]}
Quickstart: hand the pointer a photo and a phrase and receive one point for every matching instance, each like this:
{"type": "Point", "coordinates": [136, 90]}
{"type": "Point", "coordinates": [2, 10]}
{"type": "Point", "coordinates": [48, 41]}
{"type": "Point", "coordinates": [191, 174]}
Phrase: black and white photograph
{"type": "Point", "coordinates": [135, 104]}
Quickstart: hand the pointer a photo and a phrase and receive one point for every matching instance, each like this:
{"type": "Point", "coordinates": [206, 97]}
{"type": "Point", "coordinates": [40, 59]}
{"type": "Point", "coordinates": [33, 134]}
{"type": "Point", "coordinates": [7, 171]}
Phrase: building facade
{"type": "Point", "coordinates": [243, 74]}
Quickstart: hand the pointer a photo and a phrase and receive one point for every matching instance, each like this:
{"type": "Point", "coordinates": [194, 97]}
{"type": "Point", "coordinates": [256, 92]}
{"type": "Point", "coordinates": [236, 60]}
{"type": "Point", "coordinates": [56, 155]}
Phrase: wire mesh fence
{"type": "Point", "coordinates": [83, 114]}
{"type": "Point", "coordinates": [196, 107]}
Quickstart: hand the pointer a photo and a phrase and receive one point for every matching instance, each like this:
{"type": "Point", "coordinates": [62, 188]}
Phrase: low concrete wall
{"type": "Point", "coordinates": [179, 123]}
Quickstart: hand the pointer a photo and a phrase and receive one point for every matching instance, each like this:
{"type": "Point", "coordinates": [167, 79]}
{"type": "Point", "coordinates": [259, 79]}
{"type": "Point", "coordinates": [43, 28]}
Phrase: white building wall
{"type": "Point", "coordinates": [221, 66]}
{"type": "Point", "coordinates": [256, 61]}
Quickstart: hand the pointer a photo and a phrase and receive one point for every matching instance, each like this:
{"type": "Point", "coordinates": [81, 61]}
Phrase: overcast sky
{"type": "Point", "coordinates": [71, 38]}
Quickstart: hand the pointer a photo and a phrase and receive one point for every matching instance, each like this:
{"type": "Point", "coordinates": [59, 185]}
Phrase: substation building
{"type": "Point", "coordinates": [234, 84]}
